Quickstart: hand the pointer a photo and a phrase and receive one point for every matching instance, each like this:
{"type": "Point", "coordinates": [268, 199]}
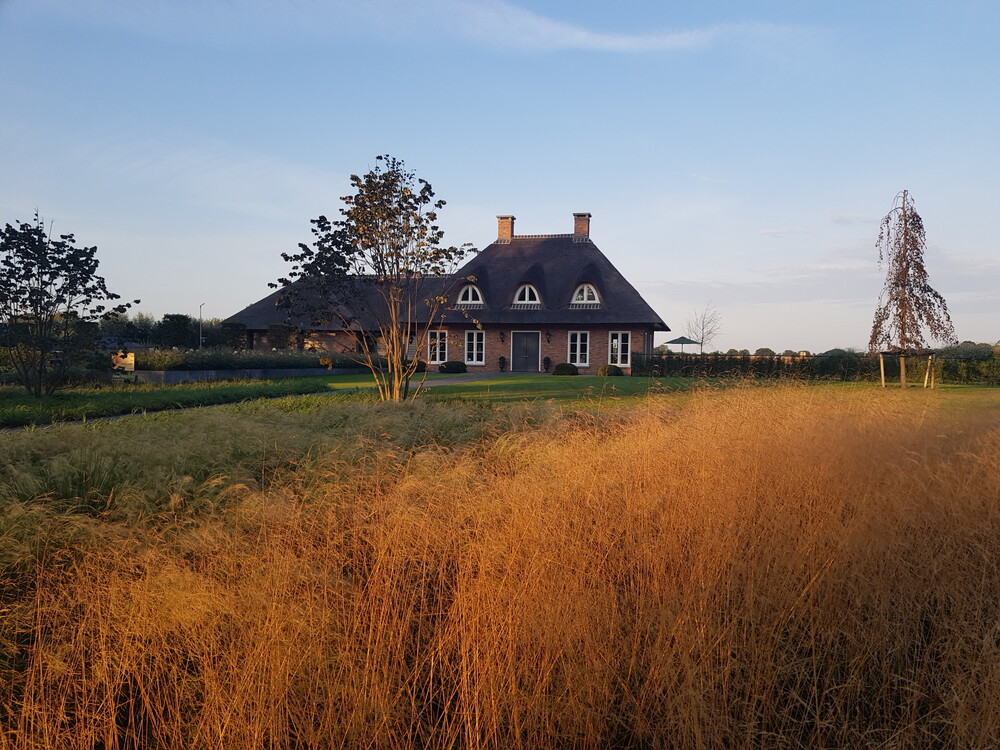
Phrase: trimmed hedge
{"type": "Point", "coordinates": [849, 366]}
{"type": "Point", "coordinates": [218, 359]}
{"type": "Point", "coordinates": [609, 371]}
{"type": "Point", "coordinates": [565, 368]}
{"type": "Point", "coordinates": [453, 367]}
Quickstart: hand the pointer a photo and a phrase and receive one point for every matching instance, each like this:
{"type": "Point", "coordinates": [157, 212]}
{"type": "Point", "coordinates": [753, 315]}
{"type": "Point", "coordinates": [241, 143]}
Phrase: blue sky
{"type": "Point", "coordinates": [733, 153]}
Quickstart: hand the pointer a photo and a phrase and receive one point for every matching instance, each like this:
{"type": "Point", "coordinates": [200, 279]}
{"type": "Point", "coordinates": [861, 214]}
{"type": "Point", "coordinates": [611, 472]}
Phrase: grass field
{"type": "Point", "coordinates": [18, 409]}
{"type": "Point", "coordinates": [775, 566]}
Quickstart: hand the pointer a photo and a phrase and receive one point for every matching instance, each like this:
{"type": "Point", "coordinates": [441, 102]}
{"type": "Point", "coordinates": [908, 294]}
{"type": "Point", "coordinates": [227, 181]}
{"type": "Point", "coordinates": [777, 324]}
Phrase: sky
{"type": "Point", "coordinates": [737, 154]}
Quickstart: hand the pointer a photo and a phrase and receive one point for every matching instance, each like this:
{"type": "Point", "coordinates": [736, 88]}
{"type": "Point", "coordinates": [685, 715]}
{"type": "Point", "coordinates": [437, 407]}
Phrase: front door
{"type": "Point", "coordinates": [524, 348]}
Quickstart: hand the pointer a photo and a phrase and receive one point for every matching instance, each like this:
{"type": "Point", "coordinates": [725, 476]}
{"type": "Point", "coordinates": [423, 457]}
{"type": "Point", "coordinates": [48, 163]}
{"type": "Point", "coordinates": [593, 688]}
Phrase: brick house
{"type": "Point", "coordinates": [522, 300]}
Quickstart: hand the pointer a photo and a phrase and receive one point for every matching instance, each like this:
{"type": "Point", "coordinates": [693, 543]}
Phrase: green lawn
{"type": "Point", "coordinates": [18, 409]}
{"type": "Point", "coordinates": [579, 387]}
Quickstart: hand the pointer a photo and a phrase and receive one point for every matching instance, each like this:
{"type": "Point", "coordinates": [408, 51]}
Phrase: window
{"type": "Point", "coordinates": [437, 347]}
{"type": "Point", "coordinates": [620, 348]}
{"type": "Point", "coordinates": [526, 295]}
{"type": "Point", "coordinates": [579, 348]}
{"type": "Point", "coordinates": [470, 295]}
{"type": "Point", "coordinates": [475, 347]}
{"type": "Point", "coordinates": [585, 294]}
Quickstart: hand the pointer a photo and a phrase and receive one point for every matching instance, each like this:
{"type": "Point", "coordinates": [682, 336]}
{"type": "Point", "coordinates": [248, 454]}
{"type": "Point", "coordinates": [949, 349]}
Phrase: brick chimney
{"type": "Point", "coordinates": [505, 227]}
{"type": "Point", "coordinates": [581, 226]}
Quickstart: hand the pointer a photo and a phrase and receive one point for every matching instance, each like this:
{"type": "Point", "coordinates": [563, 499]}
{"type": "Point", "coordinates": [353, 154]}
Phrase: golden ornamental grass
{"type": "Point", "coordinates": [761, 567]}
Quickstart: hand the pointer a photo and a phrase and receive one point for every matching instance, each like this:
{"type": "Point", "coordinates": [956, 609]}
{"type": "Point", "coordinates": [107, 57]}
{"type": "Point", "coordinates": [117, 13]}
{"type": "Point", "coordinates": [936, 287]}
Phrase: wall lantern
{"type": "Point", "coordinates": [548, 337]}
{"type": "Point", "coordinates": [501, 337]}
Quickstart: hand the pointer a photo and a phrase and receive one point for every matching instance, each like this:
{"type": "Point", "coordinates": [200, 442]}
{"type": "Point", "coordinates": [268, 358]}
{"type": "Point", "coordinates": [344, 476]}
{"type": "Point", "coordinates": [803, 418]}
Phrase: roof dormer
{"type": "Point", "coordinates": [470, 296]}
{"type": "Point", "coordinates": [526, 296]}
{"type": "Point", "coordinates": [586, 296]}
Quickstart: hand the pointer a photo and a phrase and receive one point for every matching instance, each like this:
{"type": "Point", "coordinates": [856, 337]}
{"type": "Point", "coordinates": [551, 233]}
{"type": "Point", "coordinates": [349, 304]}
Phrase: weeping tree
{"type": "Point", "coordinates": [908, 308]}
{"type": "Point", "coordinates": [381, 271]}
{"type": "Point", "coordinates": [51, 300]}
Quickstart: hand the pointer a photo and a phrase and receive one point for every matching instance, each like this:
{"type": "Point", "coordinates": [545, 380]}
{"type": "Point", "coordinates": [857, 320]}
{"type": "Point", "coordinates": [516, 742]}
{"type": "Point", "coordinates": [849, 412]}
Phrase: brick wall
{"type": "Point", "coordinates": [557, 350]}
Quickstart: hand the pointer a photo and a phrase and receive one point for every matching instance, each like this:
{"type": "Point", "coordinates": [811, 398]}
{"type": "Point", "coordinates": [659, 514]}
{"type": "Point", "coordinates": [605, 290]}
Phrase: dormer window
{"type": "Point", "coordinates": [526, 295]}
{"type": "Point", "coordinates": [586, 294]}
{"type": "Point", "coordinates": [470, 295]}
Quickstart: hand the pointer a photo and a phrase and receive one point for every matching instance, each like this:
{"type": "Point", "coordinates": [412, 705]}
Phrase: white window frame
{"type": "Point", "coordinates": [529, 293]}
{"type": "Point", "coordinates": [574, 339]}
{"type": "Point", "coordinates": [475, 348]}
{"type": "Point", "coordinates": [437, 344]}
{"type": "Point", "coordinates": [624, 358]}
{"type": "Point", "coordinates": [470, 295]}
{"type": "Point", "coordinates": [589, 294]}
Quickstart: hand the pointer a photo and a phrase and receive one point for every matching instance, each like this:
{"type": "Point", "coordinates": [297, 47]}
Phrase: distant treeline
{"type": "Point", "coordinates": [966, 363]}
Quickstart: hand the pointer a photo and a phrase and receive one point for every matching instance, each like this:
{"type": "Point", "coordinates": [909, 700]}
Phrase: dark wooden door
{"type": "Point", "coordinates": [524, 349]}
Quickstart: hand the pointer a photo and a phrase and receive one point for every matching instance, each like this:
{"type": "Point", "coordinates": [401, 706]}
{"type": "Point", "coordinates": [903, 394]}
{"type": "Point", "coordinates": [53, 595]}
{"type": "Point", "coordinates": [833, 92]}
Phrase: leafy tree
{"type": "Point", "coordinates": [704, 326]}
{"type": "Point", "coordinates": [381, 271]}
{"type": "Point", "coordinates": [176, 329]}
{"type": "Point", "coordinates": [764, 351]}
{"type": "Point", "coordinates": [120, 328]}
{"type": "Point", "coordinates": [907, 306]}
{"type": "Point", "coordinates": [50, 301]}
{"type": "Point", "coordinates": [229, 335]}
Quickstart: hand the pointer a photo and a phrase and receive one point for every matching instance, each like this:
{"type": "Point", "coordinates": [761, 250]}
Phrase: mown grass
{"type": "Point", "coordinates": [778, 567]}
{"type": "Point", "coordinates": [19, 409]}
{"type": "Point", "coordinates": [569, 388]}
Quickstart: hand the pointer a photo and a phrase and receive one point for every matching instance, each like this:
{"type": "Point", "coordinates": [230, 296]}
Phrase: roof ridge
{"type": "Point", "coordinates": [539, 236]}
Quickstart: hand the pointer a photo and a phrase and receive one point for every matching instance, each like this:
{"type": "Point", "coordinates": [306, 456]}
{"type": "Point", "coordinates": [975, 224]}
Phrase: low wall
{"type": "Point", "coordinates": [172, 377]}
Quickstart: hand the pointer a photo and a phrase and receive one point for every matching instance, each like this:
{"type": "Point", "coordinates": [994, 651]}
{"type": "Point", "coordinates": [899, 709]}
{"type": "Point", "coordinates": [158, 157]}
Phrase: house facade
{"type": "Point", "coordinates": [524, 304]}
{"type": "Point", "coordinates": [539, 299]}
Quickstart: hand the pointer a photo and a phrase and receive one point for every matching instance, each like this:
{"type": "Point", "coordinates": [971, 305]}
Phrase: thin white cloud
{"type": "Point", "coordinates": [492, 23]}
{"type": "Point", "coordinates": [781, 232]}
{"type": "Point", "coordinates": [503, 24]}
{"type": "Point", "coordinates": [208, 174]}
{"type": "Point", "coordinates": [854, 219]}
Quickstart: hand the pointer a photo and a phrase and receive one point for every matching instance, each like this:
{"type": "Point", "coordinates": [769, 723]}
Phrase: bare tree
{"type": "Point", "coordinates": [907, 306]}
{"type": "Point", "coordinates": [704, 326]}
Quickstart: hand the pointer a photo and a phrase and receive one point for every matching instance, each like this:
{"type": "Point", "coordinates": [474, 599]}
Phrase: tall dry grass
{"type": "Point", "coordinates": [762, 567]}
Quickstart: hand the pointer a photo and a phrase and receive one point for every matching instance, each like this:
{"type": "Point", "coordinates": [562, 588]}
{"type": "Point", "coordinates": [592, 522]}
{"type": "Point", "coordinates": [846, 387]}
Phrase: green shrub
{"type": "Point", "coordinates": [453, 367]}
{"type": "Point", "coordinates": [565, 368]}
{"type": "Point", "coordinates": [609, 370]}
{"type": "Point", "coordinates": [221, 359]}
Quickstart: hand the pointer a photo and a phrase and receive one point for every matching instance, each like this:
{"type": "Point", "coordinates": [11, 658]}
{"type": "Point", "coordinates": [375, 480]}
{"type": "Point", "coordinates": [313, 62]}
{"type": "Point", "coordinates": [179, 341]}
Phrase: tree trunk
{"type": "Point", "coordinates": [902, 371]}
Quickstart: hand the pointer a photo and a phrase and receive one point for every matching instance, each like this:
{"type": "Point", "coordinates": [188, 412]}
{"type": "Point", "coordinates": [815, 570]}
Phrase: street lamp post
{"type": "Point", "coordinates": [201, 338]}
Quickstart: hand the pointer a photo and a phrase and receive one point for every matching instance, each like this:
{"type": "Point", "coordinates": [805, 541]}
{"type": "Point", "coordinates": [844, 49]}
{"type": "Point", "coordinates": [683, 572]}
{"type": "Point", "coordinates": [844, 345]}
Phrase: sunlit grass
{"type": "Point", "coordinates": [748, 567]}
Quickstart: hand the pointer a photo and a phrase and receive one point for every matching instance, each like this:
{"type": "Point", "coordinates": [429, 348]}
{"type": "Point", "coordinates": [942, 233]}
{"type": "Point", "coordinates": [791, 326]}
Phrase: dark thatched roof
{"type": "Point", "coordinates": [556, 265]}
{"type": "Point", "coordinates": [362, 315]}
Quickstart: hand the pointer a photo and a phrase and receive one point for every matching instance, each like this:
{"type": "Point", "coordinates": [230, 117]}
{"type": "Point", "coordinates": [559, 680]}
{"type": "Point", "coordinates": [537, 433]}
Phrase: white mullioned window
{"type": "Point", "coordinates": [585, 294]}
{"type": "Point", "coordinates": [579, 348]}
{"type": "Point", "coordinates": [437, 347]}
{"type": "Point", "coordinates": [620, 348]}
{"type": "Point", "coordinates": [470, 295]}
{"type": "Point", "coordinates": [475, 347]}
{"type": "Point", "coordinates": [526, 295]}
